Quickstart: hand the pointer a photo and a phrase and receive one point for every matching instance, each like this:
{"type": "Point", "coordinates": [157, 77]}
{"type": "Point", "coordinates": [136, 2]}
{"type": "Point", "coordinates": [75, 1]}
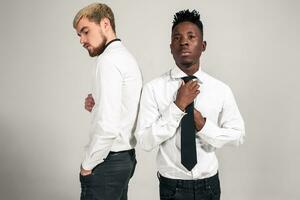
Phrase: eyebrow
{"type": "Point", "coordinates": [177, 33]}
{"type": "Point", "coordinates": [81, 30]}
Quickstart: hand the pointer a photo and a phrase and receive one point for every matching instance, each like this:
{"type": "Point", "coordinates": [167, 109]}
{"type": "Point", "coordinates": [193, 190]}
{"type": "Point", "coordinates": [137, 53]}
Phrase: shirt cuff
{"type": "Point", "coordinates": [89, 165]}
{"type": "Point", "coordinates": [173, 115]}
{"type": "Point", "coordinates": [209, 133]}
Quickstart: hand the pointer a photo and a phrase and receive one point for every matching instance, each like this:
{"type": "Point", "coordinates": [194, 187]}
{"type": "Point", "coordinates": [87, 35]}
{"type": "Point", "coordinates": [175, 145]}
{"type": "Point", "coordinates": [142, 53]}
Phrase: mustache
{"type": "Point", "coordinates": [86, 45]}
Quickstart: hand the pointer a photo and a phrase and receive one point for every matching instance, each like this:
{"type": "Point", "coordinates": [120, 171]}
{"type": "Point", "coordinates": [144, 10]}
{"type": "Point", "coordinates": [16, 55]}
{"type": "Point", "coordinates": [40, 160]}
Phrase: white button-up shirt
{"type": "Point", "coordinates": [117, 85]}
{"type": "Point", "coordinates": [159, 123]}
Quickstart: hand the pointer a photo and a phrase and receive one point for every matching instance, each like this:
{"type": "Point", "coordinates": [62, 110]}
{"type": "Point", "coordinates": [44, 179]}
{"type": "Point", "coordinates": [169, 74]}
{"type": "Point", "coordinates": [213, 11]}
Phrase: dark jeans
{"type": "Point", "coordinates": [109, 180]}
{"type": "Point", "coordinates": [202, 189]}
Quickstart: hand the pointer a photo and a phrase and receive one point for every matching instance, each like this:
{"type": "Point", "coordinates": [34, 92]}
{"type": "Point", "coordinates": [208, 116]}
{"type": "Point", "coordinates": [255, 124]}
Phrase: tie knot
{"type": "Point", "coordinates": [188, 78]}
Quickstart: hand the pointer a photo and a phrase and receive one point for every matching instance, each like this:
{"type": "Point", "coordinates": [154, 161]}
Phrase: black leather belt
{"type": "Point", "coordinates": [188, 183]}
{"type": "Point", "coordinates": [131, 152]}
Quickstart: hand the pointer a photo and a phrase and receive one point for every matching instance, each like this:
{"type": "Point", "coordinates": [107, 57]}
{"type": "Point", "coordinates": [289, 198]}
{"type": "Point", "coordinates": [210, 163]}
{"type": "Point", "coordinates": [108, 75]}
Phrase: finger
{"type": "Point", "coordinates": [88, 109]}
{"type": "Point", "coordinates": [189, 82]}
{"type": "Point", "coordinates": [195, 94]}
{"type": "Point", "coordinates": [89, 101]}
{"type": "Point", "coordinates": [181, 84]}
{"type": "Point", "coordinates": [196, 112]}
{"type": "Point", "coordinates": [193, 88]}
{"type": "Point", "coordinates": [89, 98]}
{"type": "Point", "coordinates": [195, 85]}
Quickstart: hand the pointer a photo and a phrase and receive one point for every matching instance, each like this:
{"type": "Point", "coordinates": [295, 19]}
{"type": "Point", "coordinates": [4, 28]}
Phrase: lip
{"type": "Point", "coordinates": [185, 53]}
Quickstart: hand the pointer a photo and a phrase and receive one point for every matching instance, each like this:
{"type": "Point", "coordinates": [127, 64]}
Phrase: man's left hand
{"type": "Point", "coordinates": [199, 120]}
{"type": "Point", "coordinates": [85, 172]}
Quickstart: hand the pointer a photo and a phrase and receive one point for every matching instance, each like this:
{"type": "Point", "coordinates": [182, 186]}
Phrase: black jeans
{"type": "Point", "coordinates": [109, 180]}
{"type": "Point", "coordinates": [201, 189]}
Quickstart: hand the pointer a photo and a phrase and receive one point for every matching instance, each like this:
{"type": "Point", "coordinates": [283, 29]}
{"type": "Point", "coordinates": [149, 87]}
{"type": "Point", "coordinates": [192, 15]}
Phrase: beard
{"type": "Point", "coordinates": [97, 50]}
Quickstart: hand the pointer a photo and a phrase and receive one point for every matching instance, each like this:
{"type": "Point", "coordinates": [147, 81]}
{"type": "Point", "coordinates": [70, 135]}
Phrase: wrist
{"type": "Point", "coordinates": [180, 106]}
{"type": "Point", "coordinates": [201, 124]}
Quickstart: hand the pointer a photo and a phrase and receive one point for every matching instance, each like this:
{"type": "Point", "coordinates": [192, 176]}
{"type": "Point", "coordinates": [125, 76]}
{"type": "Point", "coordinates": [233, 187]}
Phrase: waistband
{"type": "Point", "coordinates": [130, 152]}
{"type": "Point", "coordinates": [188, 184]}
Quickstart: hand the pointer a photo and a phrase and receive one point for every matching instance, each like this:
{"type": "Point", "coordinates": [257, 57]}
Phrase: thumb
{"type": "Point", "coordinates": [182, 83]}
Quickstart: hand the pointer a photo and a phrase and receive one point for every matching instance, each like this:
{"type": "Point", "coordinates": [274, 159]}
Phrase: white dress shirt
{"type": "Point", "coordinates": [117, 86]}
{"type": "Point", "coordinates": [159, 123]}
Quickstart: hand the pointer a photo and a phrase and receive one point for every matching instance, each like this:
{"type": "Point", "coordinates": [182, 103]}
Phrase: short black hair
{"type": "Point", "coordinates": [188, 16]}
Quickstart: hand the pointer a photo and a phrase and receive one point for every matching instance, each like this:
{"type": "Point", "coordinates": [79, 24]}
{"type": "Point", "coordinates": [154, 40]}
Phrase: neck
{"type": "Point", "coordinates": [110, 37]}
{"type": "Point", "coordinates": [190, 70]}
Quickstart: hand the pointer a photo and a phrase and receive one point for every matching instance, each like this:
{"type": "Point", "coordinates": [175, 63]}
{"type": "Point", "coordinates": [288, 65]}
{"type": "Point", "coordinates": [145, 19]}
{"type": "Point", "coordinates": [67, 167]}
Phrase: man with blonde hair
{"type": "Point", "coordinates": [109, 160]}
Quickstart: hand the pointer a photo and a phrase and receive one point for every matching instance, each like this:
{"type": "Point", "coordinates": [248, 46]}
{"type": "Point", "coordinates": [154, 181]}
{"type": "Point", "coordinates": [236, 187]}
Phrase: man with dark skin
{"type": "Point", "coordinates": [186, 47]}
{"type": "Point", "coordinates": [188, 114]}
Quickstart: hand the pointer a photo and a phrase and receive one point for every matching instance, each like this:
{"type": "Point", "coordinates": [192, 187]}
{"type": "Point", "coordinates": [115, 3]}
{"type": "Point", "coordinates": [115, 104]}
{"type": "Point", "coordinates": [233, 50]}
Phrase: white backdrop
{"type": "Point", "coordinates": [45, 75]}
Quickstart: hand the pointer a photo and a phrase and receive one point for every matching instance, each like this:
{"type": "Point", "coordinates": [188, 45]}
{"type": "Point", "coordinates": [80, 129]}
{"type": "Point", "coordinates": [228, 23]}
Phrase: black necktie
{"type": "Point", "coordinates": [188, 141]}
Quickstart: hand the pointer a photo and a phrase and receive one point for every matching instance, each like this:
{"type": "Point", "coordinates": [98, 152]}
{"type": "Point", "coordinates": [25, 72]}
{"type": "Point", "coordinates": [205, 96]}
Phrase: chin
{"type": "Point", "coordinates": [186, 64]}
{"type": "Point", "coordinates": [92, 54]}
{"type": "Point", "coordinates": [95, 53]}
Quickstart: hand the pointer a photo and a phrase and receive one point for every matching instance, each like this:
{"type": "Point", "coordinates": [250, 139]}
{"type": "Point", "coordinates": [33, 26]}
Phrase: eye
{"type": "Point", "coordinates": [85, 31]}
{"type": "Point", "coordinates": [191, 36]}
{"type": "Point", "coordinates": [175, 38]}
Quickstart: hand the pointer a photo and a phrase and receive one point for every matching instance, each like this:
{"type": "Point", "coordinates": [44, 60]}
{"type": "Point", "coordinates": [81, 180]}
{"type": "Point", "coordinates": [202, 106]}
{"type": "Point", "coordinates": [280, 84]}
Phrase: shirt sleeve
{"type": "Point", "coordinates": [107, 113]}
{"type": "Point", "coordinates": [230, 128]}
{"type": "Point", "coordinates": [155, 126]}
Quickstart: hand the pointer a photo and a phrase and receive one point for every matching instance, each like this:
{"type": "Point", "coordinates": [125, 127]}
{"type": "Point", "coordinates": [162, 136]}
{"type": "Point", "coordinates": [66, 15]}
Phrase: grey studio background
{"type": "Point", "coordinates": [45, 75]}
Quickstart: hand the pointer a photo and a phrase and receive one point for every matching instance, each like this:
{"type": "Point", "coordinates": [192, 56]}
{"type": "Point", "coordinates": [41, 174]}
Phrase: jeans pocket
{"type": "Point", "coordinates": [86, 189]}
{"type": "Point", "coordinates": [86, 193]}
{"type": "Point", "coordinates": [133, 168]}
{"type": "Point", "coordinates": [86, 180]}
{"type": "Point", "coordinates": [166, 192]}
{"type": "Point", "coordinates": [215, 191]}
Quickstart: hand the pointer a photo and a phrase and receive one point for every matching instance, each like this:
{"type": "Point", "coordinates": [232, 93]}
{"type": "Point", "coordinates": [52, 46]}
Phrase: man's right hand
{"type": "Point", "coordinates": [89, 103]}
{"type": "Point", "coordinates": [186, 94]}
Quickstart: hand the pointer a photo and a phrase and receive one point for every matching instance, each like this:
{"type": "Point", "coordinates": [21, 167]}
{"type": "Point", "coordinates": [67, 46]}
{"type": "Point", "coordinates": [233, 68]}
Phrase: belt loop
{"type": "Point", "coordinates": [206, 184]}
{"type": "Point", "coordinates": [195, 185]}
{"type": "Point", "coordinates": [179, 184]}
{"type": "Point", "coordinates": [158, 175]}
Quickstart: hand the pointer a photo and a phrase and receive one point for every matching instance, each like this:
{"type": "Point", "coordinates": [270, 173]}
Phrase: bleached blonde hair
{"type": "Point", "coordinates": [95, 12]}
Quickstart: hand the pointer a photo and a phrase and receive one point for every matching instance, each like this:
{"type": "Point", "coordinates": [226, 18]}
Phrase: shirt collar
{"type": "Point", "coordinates": [177, 73]}
{"type": "Point", "coordinates": [112, 43]}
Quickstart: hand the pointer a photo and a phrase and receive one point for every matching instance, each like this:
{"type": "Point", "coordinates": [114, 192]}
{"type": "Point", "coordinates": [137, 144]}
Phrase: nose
{"type": "Point", "coordinates": [183, 41]}
{"type": "Point", "coordinates": [82, 40]}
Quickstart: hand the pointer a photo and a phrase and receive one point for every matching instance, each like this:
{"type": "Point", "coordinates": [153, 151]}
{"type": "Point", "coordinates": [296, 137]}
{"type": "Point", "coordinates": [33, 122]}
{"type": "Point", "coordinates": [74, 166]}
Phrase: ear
{"type": "Point", "coordinates": [204, 44]}
{"type": "Point", "coordinates": [171, 48]}
{"type": "Point", "coordinates": [105, 23]}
